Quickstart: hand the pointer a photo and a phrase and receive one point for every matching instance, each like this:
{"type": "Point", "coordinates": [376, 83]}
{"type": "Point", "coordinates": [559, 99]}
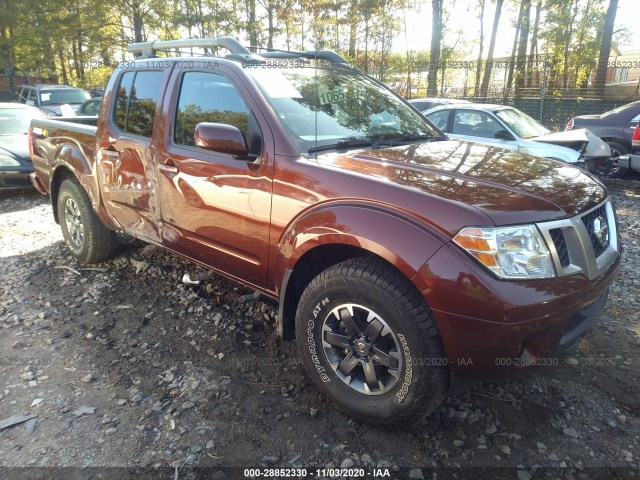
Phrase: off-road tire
{"type": "Point", "coordinates": [88, 240]}
{"type": "Point", "coordinates": [372, 286]}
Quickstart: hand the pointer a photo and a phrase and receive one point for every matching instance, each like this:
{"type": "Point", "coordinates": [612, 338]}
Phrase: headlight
{"type": "Point", "coordinates": [509, 252]}
{"type": "Point", "coordinates": [7, 161]}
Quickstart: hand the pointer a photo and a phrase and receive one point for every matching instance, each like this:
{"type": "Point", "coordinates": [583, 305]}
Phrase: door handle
{"type": "Point", "coordinates": [168, 167]}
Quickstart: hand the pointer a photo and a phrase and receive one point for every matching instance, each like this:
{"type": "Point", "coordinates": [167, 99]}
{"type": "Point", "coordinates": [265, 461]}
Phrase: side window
{"type": "Point", "coordinates": [122, 102]}
{"type": "Point", "coordinates": [143, 102]}
{"type": "Point", "coordinates": [32, 94]}
{"type": "Point", "coordinates": [475, 124]}
{"type": "Point", "coordinates": [209, 97]}
{"type": "Point", "coordinates": [440, 119]}
{"type": "Point", "coordinates": [137, 100]}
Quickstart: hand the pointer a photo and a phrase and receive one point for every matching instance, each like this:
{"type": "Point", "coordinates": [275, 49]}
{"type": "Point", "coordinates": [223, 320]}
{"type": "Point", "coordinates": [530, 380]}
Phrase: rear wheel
{"type": "Point", "coordinates": [369, 343]}
{"type": "Point", "coordinates": [89, 241]}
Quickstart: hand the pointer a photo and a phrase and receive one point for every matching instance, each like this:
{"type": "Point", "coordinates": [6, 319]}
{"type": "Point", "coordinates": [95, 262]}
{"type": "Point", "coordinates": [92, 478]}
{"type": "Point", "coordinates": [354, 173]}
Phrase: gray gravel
{"type": "Point", "coordinates": [124, 364]}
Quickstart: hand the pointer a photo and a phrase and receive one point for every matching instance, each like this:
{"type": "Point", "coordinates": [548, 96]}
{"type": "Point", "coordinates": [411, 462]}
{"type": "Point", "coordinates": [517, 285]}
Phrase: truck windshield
{"type": "Point", "coordinates": [324, 107]}
{"type": "Point", "coordinates": [63, 95]}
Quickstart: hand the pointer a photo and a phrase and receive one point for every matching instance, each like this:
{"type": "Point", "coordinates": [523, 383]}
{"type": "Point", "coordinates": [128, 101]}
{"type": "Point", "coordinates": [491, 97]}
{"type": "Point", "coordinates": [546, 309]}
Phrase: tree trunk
{"type": "Point", "coordinates": [271, 26]}
{"type": "Point", "coordinates": [534, 44]}
{"type": "Point", "coordinates": [138, 25]}
{"type": "Point", "coordinates": [252, 26]}
{"type": "Point", "coordinates": [479, 66]}
{"type": "Point", "coordinates": [605, 47]}
{"type": "Point", "coordinates": [484, 89]}
{"type": "Point", "coordinates": [509, 81]}
{"type": "Point", "coordinates": [521, 63]}
{"type": "Point", "coordinates": [569, 36]}
{"type": "Point", "coordinates": [353, 28]}
{"type": "Point", "coordinates": [63, 66]}
{"type": "Point", "coordinates": [434, 56]}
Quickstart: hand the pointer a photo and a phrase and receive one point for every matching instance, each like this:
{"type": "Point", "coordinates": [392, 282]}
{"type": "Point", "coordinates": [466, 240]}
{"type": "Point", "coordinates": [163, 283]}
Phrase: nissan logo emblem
{"type": "Point", "coordinates": [601, 230]}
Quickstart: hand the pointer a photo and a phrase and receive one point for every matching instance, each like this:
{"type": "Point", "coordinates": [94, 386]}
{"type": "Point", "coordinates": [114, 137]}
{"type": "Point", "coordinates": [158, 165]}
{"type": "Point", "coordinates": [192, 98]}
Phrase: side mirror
{"type": "Point", "coordinates": [222, 138]}
{"type": "Point", "coordinates": [503, 135]}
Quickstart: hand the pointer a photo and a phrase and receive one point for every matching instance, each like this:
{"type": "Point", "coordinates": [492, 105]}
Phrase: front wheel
{"type": "Point", "coordinates": [369, 343]}
{"type": "Point", "coordinates": [89, 241]}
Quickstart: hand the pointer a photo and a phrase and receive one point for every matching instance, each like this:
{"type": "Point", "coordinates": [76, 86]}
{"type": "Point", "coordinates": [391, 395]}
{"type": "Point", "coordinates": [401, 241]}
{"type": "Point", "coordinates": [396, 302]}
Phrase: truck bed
{"type": "Point", "coordinates": [70, 138]}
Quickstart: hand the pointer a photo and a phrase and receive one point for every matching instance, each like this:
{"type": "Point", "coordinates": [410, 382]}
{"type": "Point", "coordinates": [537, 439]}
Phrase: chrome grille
{"type": "Point", "coordinates": [595, 221]}
{"type": "Point", "coordinates": [561, 246]}
{"type": "Point", "coordinates": [586, 243]}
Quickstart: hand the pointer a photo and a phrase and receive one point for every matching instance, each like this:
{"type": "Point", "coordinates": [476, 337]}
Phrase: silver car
{"type": "Point", "coordinates": [508, 127]}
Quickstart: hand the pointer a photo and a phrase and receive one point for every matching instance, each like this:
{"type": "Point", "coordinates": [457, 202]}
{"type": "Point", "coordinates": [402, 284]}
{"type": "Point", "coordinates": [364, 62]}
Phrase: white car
{"type": "Point", "coordinates": [508, 127]}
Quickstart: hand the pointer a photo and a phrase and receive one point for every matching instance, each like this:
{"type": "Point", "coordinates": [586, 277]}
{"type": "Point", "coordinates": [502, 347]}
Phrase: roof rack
{"type": "Point", "coordinates": [238, 52]}
{"type": "Point", "coordinates": [327, 55]}
{"type": "Point", "coordinates": [149, 49]}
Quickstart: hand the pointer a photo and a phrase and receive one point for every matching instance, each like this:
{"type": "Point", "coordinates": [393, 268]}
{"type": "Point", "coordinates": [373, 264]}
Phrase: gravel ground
{"type": "Point", "coordinates": [124, 365]}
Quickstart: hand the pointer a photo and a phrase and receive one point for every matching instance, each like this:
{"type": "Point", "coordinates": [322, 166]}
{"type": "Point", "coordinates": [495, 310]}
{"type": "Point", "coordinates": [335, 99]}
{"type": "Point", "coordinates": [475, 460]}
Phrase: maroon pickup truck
{"type": "Point", "coordinates": [402, 261]}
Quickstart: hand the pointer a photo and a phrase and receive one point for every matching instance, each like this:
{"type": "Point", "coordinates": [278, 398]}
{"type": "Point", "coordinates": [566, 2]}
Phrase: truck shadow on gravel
{"type": "Point", "coordinates": [187, 375]}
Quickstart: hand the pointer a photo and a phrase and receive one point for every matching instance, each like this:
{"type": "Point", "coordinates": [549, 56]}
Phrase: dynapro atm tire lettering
{"type": "Point", "coordinates": [312, 344]}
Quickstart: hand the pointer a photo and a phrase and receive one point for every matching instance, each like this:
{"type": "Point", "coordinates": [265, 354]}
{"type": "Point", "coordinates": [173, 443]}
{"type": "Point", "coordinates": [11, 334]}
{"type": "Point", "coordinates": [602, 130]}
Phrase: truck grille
{"type": "Point", "coordinates": [585, 244]}
{"type": "Point", "coordinates": [561, 246]}
{"type": "Point", "coordinates": [596, 223]}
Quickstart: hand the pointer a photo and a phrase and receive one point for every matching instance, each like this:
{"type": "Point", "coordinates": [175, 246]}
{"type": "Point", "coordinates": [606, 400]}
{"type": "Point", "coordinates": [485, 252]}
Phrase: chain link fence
{"type": "Point", "coordinates": [546, 94]}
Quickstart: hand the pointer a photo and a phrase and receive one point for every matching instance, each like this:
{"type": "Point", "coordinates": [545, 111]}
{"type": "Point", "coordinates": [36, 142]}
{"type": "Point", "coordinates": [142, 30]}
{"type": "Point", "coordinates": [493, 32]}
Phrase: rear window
{"type": "Point", "coordinates": [137, 100]}
{"type": "Point", "coordinates": [62, 96]}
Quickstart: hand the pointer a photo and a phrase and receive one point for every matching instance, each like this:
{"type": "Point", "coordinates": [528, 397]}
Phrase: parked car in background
{"type": "Point", "coordinates": [614, 127]}
{"type": "Point", "coordinates": [427, 103]}
{"type": "Point", "coordinates": [96, 92]}
{"type": "Point", "coordinates": [8, 96]}
{"type": "Point", "coordinates": [50, 98]}
{"type": "Point", "coordinates": [91, 106]}
{"type": "Point", "coordinates": [15, 162]}
{"type": "Point", "coordinates": [508, 127]}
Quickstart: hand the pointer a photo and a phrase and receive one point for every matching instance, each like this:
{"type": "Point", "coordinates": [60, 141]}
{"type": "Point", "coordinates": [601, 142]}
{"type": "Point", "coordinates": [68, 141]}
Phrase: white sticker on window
{"type": "Point", "coordinates": [330, 96]}
{"type": "Point", "coordinates": [44, 97]}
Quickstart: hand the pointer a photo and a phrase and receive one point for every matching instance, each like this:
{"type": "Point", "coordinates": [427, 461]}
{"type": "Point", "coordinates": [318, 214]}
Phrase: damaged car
{"type": "Point", "coordinates": [508, 127]}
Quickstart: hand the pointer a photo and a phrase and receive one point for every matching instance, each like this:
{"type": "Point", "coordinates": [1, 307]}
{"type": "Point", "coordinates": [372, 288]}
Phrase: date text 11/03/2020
{"type": "Point", "coordinates": [316, 473]}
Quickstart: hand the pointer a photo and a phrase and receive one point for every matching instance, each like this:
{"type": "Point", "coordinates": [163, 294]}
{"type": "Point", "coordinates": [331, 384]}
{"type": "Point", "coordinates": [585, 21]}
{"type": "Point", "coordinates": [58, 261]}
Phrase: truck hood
{"type": "Point", "coordinates": [507, 186]}
{"type": "Point", "coordinates": [578, 140]}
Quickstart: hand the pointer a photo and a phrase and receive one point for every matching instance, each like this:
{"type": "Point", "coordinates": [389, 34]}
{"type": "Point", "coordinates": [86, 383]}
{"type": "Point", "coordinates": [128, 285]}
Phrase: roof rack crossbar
{"type": "Point", "coordinates": [328, 55]}
{"type": "Point", "coordinates": [148, 49]}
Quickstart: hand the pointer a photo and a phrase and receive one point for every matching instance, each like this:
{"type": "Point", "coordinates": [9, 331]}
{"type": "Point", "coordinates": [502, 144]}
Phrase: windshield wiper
{"type": "Point", "coordinates": [345, 144]}
{"type": "Point", "coordinates": [410, 138]}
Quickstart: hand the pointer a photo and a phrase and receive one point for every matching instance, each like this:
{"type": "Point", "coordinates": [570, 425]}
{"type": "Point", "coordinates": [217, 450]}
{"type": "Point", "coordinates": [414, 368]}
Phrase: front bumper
{"type": "Point", "coordinates": [494, 328]}
{"type": "Point", "coordinates": [15, 178]}
{"type": "Point", "coordinates": [631, 162]}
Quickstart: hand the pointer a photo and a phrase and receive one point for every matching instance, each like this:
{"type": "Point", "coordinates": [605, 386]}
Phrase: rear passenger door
{"type": "Point", "coordinates": [126, 153]}
{"type": "Point", "coordinates": [216, 209]}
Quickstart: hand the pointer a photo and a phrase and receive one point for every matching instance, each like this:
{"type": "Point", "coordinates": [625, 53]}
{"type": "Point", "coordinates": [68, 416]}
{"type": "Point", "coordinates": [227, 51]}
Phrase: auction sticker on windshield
{"type": "Point", "coordinates": [330, 96]}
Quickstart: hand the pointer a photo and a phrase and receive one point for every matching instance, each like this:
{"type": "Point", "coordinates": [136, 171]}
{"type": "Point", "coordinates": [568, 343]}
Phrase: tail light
{"type": "Point", "coordinates": [635, 140]}
{"type": "Point", "coordinates": [569, 125]}
{"type": "Point", "coordinates": [30, 139]}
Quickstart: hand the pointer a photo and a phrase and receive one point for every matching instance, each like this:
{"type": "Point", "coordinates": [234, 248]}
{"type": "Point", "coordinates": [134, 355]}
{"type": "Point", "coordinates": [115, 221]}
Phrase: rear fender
{"type": "Point", "coordinates": [69, 160]}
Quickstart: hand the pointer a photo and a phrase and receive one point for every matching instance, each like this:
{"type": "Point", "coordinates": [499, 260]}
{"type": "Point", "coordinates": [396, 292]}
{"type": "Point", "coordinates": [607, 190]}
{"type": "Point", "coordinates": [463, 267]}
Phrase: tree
{"type": "Point", "coordinates": [479, 65]}
{"type": "Point", "coordinates": [521, 62]}
{"type": "Point", "coordinates": [605, 47]}
{"type": "Point", "coordinates": [509, 82]}
{"type": "Point", "coordinates": [492, 43]}
{"type": "Point", "coordinates": [436, 38]}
